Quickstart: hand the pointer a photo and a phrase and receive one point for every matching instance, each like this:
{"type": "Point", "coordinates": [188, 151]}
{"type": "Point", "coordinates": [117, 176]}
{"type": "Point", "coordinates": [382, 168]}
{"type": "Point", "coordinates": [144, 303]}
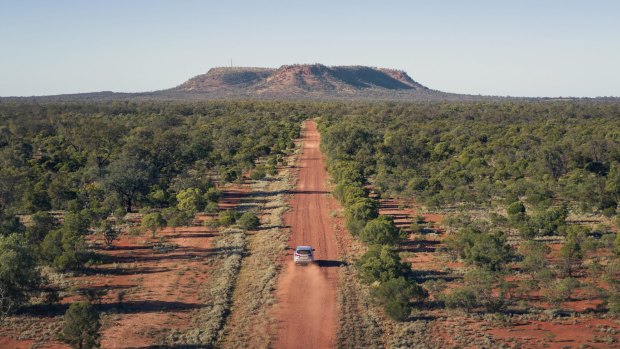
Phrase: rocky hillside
{"type": "Point", "coordinates": [302, 81]}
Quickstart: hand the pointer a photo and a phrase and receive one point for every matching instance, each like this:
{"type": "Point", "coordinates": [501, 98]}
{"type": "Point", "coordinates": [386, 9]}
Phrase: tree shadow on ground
{"type": "Point", "coordinates": [418, 246]}
{"type": "Point", "coordinates": [148, 306]}
{"type": "Point", "coordinates": [426, 275]}
{"type": "Point", "coordinates": [123, 271]}
{"type": "Point", "coordinates": [190, 235]}
{"type": "Point", "coordinates": [175, 346]}
{"type": "Point", "coordinates": [308, 192]}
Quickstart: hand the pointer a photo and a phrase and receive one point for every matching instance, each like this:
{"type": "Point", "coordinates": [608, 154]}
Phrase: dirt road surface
{"type": "Point", "coordinates": [307, 309]}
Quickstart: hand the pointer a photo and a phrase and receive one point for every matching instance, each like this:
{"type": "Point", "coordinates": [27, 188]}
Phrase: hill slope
{"type": "Point", "coordinates": [303, 81]}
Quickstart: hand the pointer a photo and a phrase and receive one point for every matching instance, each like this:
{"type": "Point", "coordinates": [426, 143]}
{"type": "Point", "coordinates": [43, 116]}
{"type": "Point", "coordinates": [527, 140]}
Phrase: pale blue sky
{"type": "Point", "coordinates": [517, 48]}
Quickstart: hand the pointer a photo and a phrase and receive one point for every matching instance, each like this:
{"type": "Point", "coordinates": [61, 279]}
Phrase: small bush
{"type": "Point", "coordinates": [81, 327]}
{"type": "Point", "coordinates": [355, 226]}
{"type": "Point", "coordinates": [212, 207]}
{"type": "Point", "coordinates": [397, 310]}
{"type": "Point", "coordinates": [213, 195]}
{"type": "Point", "coordinates": [381, 263]}
{"type": "Point", "coordinates": [487, 250]}
{"type": "Point", "coordinates": [464, 297]}
{"type": "Point", "coordinates": [227, 218]}
{"type": "Point", "coordinates": [19, 277]}
{"type": "Point", "coordinates": [249, 221]}
{"type": "Point", "coordinates": [479, 292]}
{"type": "Point", "coordinates": [561, 290]}
{"type": "Point", "coordinates": [190, 200]}
{"type": "Point", "coordinates": [258, 173]}
{"type": "Point", "coordinates": [613, 304]}
{"type": "Point", "coordinates": [153, 221]}
{"type": "Point", "coordinates": [110, 234]}
{"type": "Point", "coordinates": [395, 294]}
{"type": "Point", "coordinates": [363, 209]}
{"type": "Point", "coordinates": [380, 230]}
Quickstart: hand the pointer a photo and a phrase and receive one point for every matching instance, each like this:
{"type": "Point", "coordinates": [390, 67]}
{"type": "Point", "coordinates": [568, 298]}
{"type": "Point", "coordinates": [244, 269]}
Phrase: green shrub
{"type": "Point", "coordinates": [363, 209]}
{"type": "Point", "coordinates": [359, 213]}
{"type": "Point", "coordinates": [613, 304]}
{"type": "Point", "coordinates": [487, 250]}
{"type": "Point", "coordinates": [175, 217]}
{"type": "Point", "coordinates": [355, 226]}
{"type": "Point", "coordinates": [348, 193]}
{"type": "Point", "coordinates": [381, 263]}
{"type": "Point", "coordinates": [229, 175]}
{"type": "Point", "coordinates": [213, 195]}
{"type": "Point", "coordinates": [153, 221]}
{"type": "Point", "coordinates": [190, 200]}
{"type": "Point", "coordinates": [561, 290]}
{"type": "Point", "coordinates": [483, 289]}
{"type": "Point", "coordinates": [464, 297]}
{"type": "Point", "coordinates": [158, 196]}
{"type": "Point", "coordinates": [272, 170]}
{"type": "Point", "coordinates": [572, 252]}
{"type": "Point", "coordinates": [552, 221]}
{"type": "Point", "coordinates": [534, 256]}
{"type": "Point", "coordinates": [227, 218]}
{"type": "Point", "coordinates": [19, 277]}
{"type": "Point", "coordinates": [528, 229]}
{"type": "Point", "coordinates": [398, 310]}
{"type": "Point", "coordinates": [110, 233]}
{"type": "Point", "coordinates": [347, 171]}
{"type": "Point", "coordinates": [81, 326]}
{"type": "Point", "coordinates": [258, 173]}
{"type": "Point", "coordinates": [380, 230]}
{"type": "Point", "coordinates": [398, 288]}
{"type": "Point", "coordinates": [212, 207]}
{"type": "Point", "coordinates": [249, 221]}
{"type": "Point", "coordinates": [64, 248]}
{"type": "Point", "coordinates": [42, 224]}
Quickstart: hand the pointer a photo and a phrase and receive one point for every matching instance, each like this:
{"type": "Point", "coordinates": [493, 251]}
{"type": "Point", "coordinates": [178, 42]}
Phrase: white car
{"type": "Point", "coordinates": [303, 255]}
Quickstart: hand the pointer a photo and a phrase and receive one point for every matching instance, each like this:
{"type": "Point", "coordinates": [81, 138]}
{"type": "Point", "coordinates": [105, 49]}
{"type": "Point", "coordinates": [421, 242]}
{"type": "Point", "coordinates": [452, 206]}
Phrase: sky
{"type": "Point", "coordinates": [529, 48]}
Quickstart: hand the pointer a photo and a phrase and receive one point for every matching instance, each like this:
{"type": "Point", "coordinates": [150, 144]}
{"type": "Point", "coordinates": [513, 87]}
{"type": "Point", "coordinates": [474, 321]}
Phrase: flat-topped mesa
{"type": "Point", "coordinates": [224, 78]}
{"type": "Point", "coordinates": [300, 78]}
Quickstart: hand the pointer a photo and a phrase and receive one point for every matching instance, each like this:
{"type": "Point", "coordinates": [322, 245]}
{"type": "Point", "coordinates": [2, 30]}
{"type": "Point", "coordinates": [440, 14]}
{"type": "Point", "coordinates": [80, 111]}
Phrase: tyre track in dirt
{"type": "Point", "coordinates": [307, 313]}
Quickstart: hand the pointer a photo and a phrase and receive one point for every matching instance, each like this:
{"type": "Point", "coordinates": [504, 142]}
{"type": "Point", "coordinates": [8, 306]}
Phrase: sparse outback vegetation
{"type": "Point", "coordinates": [522, 197]}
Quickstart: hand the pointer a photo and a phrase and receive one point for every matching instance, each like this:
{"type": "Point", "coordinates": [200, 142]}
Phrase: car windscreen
{"type": "Point", "coordinates": [303, 251]}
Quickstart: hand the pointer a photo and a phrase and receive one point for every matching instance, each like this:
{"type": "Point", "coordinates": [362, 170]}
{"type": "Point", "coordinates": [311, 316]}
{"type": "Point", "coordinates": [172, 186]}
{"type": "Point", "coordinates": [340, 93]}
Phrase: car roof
{"type": "Point", "coordinates": [303, 247]}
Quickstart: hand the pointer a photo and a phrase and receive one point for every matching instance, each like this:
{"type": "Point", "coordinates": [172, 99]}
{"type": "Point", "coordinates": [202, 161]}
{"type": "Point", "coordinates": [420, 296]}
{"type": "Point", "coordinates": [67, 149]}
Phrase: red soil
{"type": "Point", "coordinates": [166, 284]}
{"type": "Point", "coordinates": [559, 335]}
{"type": "Point", "coordinates": [7, 342]}
{"type": "Point", "coordinates": [161, 288]}
{"type": "Point", "coordinates": [308, 314]}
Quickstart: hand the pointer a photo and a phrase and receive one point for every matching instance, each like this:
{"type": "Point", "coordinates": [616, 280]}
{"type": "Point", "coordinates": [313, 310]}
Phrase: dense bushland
{"type": "Point", "coordinates": [67, 169]}
{"type": "Point", "coordinates": [529, 166]}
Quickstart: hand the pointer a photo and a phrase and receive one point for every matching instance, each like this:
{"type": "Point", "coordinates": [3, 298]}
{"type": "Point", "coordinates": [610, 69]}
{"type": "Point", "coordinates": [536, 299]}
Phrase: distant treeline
{"type": "Point", "coordinates": [104, 156]}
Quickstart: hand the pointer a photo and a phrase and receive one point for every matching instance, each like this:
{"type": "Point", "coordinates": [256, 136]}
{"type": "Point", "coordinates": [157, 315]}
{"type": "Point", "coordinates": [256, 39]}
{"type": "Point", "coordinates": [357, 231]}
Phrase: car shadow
{"type": "Point", "coordinates": [323, 263]}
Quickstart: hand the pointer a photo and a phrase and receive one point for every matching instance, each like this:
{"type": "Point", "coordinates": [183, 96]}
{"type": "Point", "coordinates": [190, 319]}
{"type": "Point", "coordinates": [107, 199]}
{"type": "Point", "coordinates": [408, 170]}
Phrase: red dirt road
{"type": "Point", "coordinates": [308, 312]}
